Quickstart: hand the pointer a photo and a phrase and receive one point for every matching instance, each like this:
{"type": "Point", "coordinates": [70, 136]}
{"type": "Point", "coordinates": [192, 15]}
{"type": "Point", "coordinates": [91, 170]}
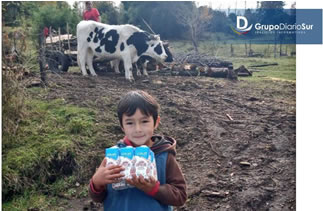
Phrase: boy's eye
{"type": "Point", "coordinates": [128, 123]}
{"type": "Point", "coordinates": [145, 121]}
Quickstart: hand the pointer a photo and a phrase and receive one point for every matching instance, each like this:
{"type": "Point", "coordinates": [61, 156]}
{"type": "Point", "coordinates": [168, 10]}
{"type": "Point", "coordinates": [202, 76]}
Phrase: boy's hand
{"type": "Point", "coordinates": [106, 175]}
{"type": "Point", "coordinates": [145, 185]}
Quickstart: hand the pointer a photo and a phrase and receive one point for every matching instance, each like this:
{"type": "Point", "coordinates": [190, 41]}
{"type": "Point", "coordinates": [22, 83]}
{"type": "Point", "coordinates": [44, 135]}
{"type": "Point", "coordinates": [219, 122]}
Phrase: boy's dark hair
{"type": "Point", "coordinates": [138, 99]}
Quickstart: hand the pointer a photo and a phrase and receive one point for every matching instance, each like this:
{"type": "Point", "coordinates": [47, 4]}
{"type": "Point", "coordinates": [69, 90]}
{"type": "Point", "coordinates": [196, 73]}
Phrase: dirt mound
{"type": "Point", "coordinates": [236, 140]}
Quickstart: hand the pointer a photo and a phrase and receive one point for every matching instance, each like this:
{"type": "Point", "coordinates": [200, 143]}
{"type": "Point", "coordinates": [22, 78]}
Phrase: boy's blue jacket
{"type": "Point", "coordinates": [171, 192]}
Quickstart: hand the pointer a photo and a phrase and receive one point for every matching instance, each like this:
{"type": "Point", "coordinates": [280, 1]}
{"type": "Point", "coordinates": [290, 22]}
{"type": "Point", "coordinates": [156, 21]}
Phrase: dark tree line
{"type": "Point", "coordinates": [170, 19]}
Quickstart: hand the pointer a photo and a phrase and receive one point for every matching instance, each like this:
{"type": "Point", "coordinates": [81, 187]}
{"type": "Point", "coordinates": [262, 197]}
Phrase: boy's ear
{"type": "Point", "coordinates": [157, 122]}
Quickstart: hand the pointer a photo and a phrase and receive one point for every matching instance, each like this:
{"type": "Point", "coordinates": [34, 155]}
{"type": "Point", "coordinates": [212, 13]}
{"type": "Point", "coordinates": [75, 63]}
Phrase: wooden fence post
{"type": "Point", "coordinates": [275, 46]}
{"type": "Point", "coordinates": [59, 39]}
{"type": "Point", "coordinates": [50, 35]}
{"type": "Point", "coordinates": [42, 59]}
{"type": "Point", "coordinates": [68, 37]}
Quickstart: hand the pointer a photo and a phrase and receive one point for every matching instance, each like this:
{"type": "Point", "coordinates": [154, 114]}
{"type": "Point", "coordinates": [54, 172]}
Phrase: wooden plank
{"type": "Point", "coordinates": [263, 65]}
{"type": "Point", "coordinates": [55, 39]}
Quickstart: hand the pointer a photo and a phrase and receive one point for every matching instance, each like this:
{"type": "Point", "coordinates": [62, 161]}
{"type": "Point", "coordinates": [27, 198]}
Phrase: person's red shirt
{"type": "Point", "coordinates": [46, 31]}
{"type": "Point", "coordinates": [93, 14]}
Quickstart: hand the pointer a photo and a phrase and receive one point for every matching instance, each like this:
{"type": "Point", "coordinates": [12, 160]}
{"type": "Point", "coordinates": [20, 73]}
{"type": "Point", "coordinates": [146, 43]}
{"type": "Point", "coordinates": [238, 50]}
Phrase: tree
{"type": "Point", "coordinates": [156, 14]}
{"type": "Point", "coordinates": [10, 12]}
{"type": "Point", "coordinates": [108, 12]}
{"type": "Point", "coordinates": [196, 19]}
{"type": "Point", "coordinates": [55, 16]}
{"type": "Point", "coordinates": [164, 22]}
{"type": "Point", "coordinates": [270, 11]}
{"type": "Point", "coordinates": [219, 22]}
{"type": "Point", "coordinates": [272, 4]}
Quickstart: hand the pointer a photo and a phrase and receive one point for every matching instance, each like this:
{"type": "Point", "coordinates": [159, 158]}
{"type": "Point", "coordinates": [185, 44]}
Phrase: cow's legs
{"type": "Point", "coordinates": [89, 61]}
{"type": "Point", "coordinates": [115, 65]}
{"type": "Point", "coordinates": [81, 60]}
{"type": "Point", "coordinates": [81, 56]}
{"type": "Point", "coordinates": [158, 65]}
{"type": "Point", "coordinates": [128, 69]}
{"type": "Point", "coordinates": [145, 68]}
{"type": "Point", "coordinates": [138, 70]}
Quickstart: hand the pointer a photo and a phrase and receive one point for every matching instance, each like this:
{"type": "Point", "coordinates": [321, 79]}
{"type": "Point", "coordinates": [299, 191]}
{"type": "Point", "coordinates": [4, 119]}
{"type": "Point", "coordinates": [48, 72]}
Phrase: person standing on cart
{"type": "Point", "coordinates": [91, 13]}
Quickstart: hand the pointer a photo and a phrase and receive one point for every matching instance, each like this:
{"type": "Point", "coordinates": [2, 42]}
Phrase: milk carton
{"type": "Point", "coordinates": [112, 156]}
{"type": "Point", "coordinates": [142, 163]}
{"type": "Point", "coordinates": [136, 161]}
{"type": "Point", "coordinates": [126, 156]}
{"type": "Point", "coordinates": [153, 167]}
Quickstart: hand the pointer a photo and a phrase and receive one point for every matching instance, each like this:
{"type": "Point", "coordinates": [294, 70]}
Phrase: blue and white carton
{"type": "Point", "coordinates": [142, 161]}
{"type": "Point", "coordinates": [112, 156]}
{"type": "Point", "coordinates": [126, 156]}
{"type": "Point", "coordinates": [136, 161]}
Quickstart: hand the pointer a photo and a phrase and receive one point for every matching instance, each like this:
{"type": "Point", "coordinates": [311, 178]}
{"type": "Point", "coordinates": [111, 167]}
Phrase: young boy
{"type": "Point", "coordinates": [138, 114]}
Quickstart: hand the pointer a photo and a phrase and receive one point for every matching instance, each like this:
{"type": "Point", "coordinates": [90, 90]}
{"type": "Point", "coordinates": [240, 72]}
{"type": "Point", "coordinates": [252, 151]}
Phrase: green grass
{"type": "Point", "coordinates": [285, 70]}
{"type": "Point", "coordinates": [56, 201]}
{"type": "Point", "coordinates": [27, 200]}
{"type": "Point", "coordinates": [52, 135]}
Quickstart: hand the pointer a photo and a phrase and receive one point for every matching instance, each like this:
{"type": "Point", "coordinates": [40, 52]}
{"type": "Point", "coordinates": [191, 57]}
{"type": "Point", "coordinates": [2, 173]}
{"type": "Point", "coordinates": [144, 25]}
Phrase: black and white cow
{"type": "Point", "coordinates": [144, 61]}
{"type": "Point", "coordinates": [116, 42]}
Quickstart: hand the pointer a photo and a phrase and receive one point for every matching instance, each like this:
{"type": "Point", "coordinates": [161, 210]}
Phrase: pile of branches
{"type": "Point", "coordinates": [196, 64]}
{"type": "Point", "coordinates": [201, 59]}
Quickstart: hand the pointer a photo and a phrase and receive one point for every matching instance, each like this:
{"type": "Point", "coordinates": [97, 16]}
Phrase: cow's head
{"type": "Point", "coordinates": [148, 45]}
{"type": "Point", "coordinates": [156, 48]}
{"type": "Point", "coordinates": [168, 52]}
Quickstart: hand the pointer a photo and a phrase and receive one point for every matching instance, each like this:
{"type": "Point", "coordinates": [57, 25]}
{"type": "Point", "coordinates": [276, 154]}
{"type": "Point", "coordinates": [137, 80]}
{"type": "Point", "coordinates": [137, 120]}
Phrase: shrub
{"type": "Point", "coordinates": [55, 17]}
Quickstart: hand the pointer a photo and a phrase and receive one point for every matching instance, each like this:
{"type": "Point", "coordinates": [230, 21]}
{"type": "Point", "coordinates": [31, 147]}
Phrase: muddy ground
{"type": "Point", "coordinates": [247, 163]}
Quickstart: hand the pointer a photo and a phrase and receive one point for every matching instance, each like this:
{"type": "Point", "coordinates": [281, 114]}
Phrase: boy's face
{"type": "Point", "coordinates": [139, 128]}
